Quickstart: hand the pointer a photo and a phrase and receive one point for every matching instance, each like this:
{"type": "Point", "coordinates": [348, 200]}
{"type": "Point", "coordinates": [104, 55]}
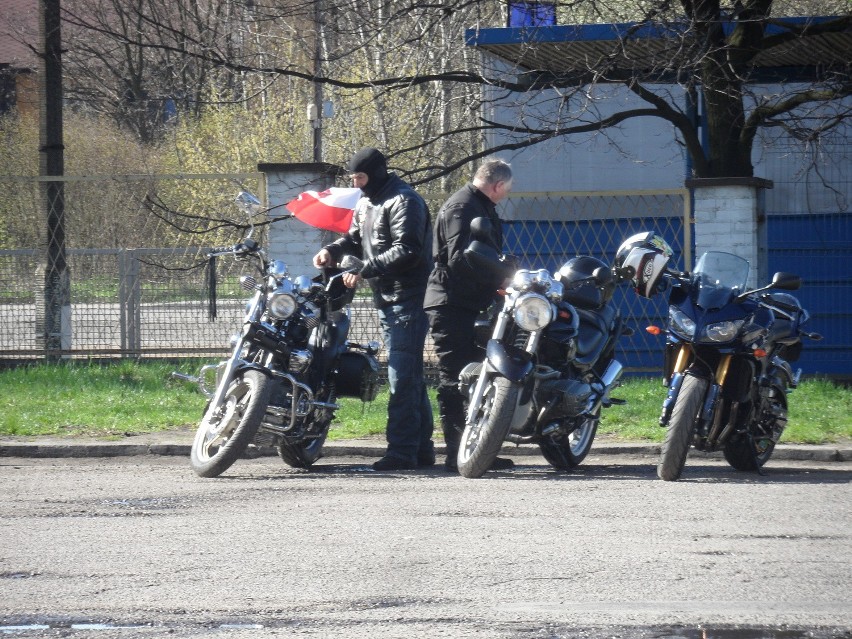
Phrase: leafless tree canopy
{"type": "Point", "coordinates": [400, 75]}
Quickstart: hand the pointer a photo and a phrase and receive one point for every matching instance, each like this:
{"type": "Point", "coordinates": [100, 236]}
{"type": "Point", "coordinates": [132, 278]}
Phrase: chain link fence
{"type": "Point", "coordinates": [131, 277]}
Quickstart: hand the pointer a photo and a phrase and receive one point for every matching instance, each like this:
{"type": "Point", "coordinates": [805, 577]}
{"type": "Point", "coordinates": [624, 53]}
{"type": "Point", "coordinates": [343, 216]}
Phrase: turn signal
{"type": "Point", "coordinates": [653, 330]}
{"type": "Point", "coordinates": [759, 352]}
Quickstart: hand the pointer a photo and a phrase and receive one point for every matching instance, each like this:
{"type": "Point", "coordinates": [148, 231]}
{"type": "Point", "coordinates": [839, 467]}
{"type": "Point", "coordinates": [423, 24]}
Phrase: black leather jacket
{"type": "Point", "coordinates": [453, 282]}
{"type": "Point", "coordinates": [394, 238]}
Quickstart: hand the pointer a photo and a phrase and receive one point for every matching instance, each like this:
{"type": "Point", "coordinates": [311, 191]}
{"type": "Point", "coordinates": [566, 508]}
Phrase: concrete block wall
{"type": "Point", "coordinates": [729, 217]}
{"type": "Point", "coordinates": [291, 240]}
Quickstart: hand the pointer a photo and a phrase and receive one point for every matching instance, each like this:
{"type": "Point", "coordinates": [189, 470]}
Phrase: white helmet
{"type": "Point", "coordinates": [642, 258]}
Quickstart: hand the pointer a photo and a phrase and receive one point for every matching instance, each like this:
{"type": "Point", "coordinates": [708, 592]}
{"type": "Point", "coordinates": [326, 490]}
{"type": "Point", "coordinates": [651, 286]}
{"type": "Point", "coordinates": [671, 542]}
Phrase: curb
{"type": "Point", "coordinates": [354, 448]}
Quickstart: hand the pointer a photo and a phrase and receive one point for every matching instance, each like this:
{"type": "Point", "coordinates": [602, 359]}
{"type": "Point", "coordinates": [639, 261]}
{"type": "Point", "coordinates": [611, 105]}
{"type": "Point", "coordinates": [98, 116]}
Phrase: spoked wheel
{"type": "Point", "coordinates": [227, 429]}
{"type": "Point", "coordinates": [483, 438]}
{"type": "Point", "coordinates": [566, 451]}
{"type": "Point", "coordinates": [750, 451]}
{"type": "Point", "coordinates": [678, 439]}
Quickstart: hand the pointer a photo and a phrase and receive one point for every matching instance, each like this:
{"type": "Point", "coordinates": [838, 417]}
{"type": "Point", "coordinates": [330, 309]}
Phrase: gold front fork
{"type": "Point", "coordinates": [682, 359]}
{"type": "Point", "coordinates": [722, 369]}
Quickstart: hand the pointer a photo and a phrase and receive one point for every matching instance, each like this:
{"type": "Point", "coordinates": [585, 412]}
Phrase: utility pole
{"type": "Point", "coordinates": [317, 112]}
{"type": "Point", "coordinates": [57, 280]}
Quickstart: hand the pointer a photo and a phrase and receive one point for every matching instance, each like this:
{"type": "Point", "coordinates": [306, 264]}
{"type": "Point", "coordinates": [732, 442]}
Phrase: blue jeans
{"type": "Point", "coordinates": [409, 430]}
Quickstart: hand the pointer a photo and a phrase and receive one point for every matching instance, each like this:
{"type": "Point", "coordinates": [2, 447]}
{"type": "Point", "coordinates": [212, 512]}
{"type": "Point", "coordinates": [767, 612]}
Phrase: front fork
{"type": "Point", "coordinates": [711, 401]}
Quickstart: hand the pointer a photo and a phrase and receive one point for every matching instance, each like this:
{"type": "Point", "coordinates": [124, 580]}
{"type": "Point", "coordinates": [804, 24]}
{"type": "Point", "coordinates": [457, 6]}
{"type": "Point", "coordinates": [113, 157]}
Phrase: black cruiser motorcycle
{"type": "Point", "coordinates": [727, 353]}
{"type": "Point", "coordinates": [549, 363]}
{"type": "Point", "coordinates": [289, 363]}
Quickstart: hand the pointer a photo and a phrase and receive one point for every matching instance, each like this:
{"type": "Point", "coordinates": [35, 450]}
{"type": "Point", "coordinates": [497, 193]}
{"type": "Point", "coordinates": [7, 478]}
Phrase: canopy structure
{"type": "Point", "coordinates": [570, 55]}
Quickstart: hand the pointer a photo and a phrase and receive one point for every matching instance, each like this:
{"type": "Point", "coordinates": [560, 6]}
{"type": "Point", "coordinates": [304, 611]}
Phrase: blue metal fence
{"type": "Point", "coordinates": [818, 247]}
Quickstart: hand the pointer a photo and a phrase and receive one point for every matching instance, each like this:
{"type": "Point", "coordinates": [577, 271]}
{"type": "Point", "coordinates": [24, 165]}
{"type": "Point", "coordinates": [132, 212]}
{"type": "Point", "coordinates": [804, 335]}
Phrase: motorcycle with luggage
{"type": "Point", "coordinates": [288, 364]}
{"type": "Point", "coordinates": [549, 363]}
{"type": "Point", "coordinates": [727, 355]}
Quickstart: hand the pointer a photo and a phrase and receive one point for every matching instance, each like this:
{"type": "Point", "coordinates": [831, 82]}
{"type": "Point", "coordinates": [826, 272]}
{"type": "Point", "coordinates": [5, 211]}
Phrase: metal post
{"type": "Point", "coordinates": [57, 297]}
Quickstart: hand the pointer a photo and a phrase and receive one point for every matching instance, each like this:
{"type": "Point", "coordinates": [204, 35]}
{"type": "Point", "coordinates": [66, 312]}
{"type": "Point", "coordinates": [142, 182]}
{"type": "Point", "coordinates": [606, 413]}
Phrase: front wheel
{"type": "Point", "coordinates": [483, 437]}
{"type": "Point", "coordinates": [564, 452]}
{"type": "Point", "coordinates": [227, 429]}
{"type": "Point", "coordinates": [685, 412]}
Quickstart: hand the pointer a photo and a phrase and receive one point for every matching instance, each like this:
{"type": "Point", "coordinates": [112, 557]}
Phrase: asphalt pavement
{"type": "Point", "coordinates": [178, 443]}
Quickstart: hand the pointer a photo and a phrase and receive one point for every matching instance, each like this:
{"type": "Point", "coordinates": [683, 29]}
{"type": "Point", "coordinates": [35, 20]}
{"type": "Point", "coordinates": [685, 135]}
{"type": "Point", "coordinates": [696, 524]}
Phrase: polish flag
{"type": "Point", "coordinates": [330, 209]}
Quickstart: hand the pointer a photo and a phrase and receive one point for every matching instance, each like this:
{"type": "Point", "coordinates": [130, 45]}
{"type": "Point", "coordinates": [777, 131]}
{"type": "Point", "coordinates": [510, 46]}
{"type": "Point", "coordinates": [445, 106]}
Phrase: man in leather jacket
{"type": "Point", "coordinates": [456, 294]}
{"type": "Point", "coordinates": [392, 232]}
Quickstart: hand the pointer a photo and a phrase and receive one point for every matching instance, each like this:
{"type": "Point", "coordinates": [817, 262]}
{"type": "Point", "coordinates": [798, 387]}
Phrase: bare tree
{"type": "Point", "coordinates": [402, 77]}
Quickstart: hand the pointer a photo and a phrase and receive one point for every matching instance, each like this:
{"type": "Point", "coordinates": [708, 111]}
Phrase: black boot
{"type": "Point", "coordinates": [453, 428]}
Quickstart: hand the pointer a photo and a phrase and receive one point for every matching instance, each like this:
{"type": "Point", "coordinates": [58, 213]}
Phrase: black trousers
{"type": "Point", "coordinates": [452, 331]}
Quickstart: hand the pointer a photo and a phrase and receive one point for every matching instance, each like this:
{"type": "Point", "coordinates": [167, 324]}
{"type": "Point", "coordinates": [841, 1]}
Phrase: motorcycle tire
{"type": "Point", "coordinates": [304, 453]}
{"type": "Point", "coordinates": [678, 438]}
{"type": "Point", "coordinates": [482, 439]}
{"type": "Point", "coordinates": [226, 431]}
{"type": "Point", "coordinates": [743, 452]}
{"type": "Point", "coordinates": [565, 452]}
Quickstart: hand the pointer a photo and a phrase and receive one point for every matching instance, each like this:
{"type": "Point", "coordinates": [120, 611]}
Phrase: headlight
{"type": "Point", "coordinates": [681, 324]}
{"type": "Point", "coordinates": [721, 331]}
{"type": "Point", "coordinates": [533, 312]}
{"type": "Point", "coordinates": [281, 305]}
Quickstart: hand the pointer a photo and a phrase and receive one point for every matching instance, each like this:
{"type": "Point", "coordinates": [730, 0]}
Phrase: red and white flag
{"type": "Point", "coordinates": [330, 209]}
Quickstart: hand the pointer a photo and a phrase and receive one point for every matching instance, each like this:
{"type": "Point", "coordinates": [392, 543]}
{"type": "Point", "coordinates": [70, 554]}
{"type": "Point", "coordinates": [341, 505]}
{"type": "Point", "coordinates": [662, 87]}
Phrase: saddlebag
{"type": "Point", "coordinates": [357, 376]}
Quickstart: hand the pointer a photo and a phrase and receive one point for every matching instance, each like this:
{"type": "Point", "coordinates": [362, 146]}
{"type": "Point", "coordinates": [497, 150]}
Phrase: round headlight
{"type": "Point", "coordinates": [281, 305]}
{"type": "Point", "coordinates": [533, 312]}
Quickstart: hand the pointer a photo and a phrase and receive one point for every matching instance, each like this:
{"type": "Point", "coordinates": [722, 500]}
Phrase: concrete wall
{"type": "Point", "coordinates": [291, 240]}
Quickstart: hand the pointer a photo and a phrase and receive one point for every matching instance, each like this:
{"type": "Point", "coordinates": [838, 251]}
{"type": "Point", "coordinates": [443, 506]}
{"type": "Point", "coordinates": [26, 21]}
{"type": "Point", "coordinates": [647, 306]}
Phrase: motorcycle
{"type": "Point", "coordinates": [549, 363]}
{"type": "Point", "coordinates": [727, 355]}
{"type": "Point", "coordinates": [288, 364]}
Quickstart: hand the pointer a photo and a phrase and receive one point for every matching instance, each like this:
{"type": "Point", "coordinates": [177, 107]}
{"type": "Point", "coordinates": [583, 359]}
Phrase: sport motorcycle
{"type": "Point", "coordinates": [727, 355]}
{"type": "Point", "coordinates": [549, 363]}
{"type": "Point", "coordinates": [288, 364]}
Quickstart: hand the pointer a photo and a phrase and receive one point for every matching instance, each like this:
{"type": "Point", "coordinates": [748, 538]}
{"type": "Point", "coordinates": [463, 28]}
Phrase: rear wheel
{"type": "Point", "coordinates": [681, 427]}
{"type": "Point", "coordinates": [566, 451]}
{"type": "Point", "coordinates": [750, 451]}
{"type": "Point", "coordinates": [483, 437]}
{"type": "Point", "coordinates": [305, 452]}
{"type": "Point", "coordinates": [227, 429]}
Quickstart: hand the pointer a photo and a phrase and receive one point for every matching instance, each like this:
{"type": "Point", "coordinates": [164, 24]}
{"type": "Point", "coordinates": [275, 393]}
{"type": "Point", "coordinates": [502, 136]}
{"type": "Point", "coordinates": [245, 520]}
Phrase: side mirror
{"type": "Point", "coordinates": [248, 202]}
{"type": "Point", "coordinates": [786, 281]}
{"type": "Point", "coordinates": [351, 263]}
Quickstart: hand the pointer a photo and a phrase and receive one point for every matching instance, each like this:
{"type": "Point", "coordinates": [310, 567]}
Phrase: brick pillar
{"type": "Point", "coordinates": [293, 241]}
{"type": "Point", "coordinates": [729, 216]}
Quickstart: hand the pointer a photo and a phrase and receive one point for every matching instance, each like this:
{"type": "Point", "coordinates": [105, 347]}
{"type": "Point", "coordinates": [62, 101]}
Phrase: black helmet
{"type": "Point", "coordinates": [589, 295]}
{"type": "Point", "coordinates": [642, 259]}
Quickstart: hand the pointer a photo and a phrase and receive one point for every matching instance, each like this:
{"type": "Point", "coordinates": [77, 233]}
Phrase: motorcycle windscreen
{"type": "Point", "coordinates": [719, 277]}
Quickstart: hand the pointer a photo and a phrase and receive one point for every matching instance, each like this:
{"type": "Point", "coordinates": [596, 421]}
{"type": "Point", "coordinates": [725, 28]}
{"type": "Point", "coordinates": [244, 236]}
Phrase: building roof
{"type": "Point", "coordinates": [18, 25]}
{"type": "Point", "coordinates": [576, 54]}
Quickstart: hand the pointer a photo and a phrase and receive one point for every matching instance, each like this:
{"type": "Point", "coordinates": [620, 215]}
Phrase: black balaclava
{"type": "Point", "coordinates": [370, 161]}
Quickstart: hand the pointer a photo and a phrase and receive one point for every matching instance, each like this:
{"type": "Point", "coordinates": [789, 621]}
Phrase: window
{"type": "Point", "coordinates": [531, 14]}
